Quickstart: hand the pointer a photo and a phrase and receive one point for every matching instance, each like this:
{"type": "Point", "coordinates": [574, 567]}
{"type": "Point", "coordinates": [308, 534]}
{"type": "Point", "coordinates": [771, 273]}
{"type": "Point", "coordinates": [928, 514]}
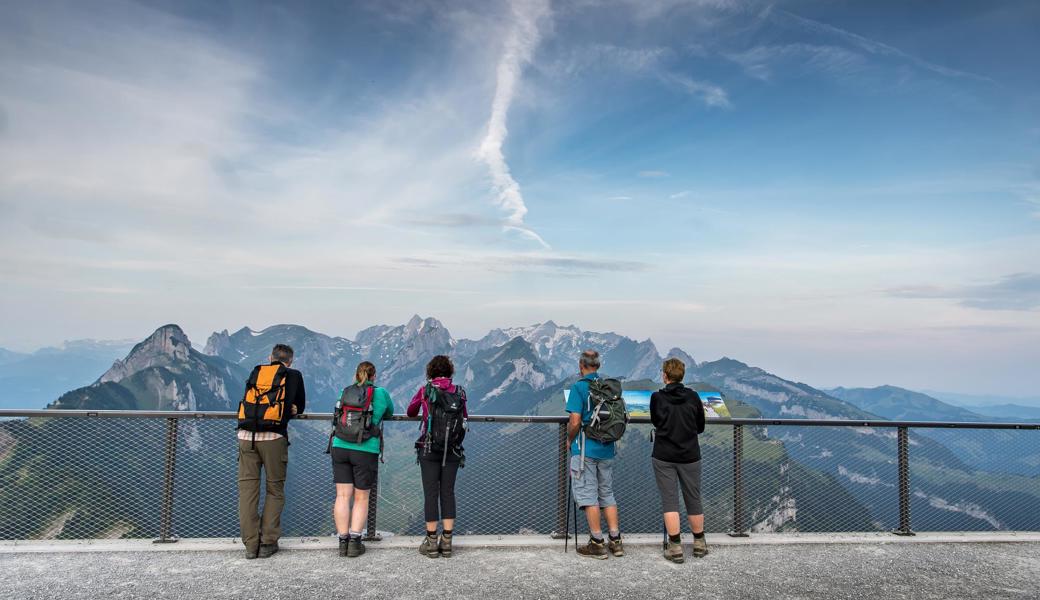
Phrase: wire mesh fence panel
{"type": "Point", "coordinates": [508, 484]}
{"type": "Point", "coordinates": [637, 494]}
{"type": "Point", "coordinates": [975, 480]}
{"type": "Point", "coordinates": [820, 479]}
{"type": "Point", "coordinates": [67, 477]}
{"type": "Point", "coordinates": [206, 484]}
{"type": "Point", "coordinates": [71, 478]}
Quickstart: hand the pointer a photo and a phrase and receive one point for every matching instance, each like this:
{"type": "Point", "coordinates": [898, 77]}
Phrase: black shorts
{"type": "Point", "coordinates": [354, 467]}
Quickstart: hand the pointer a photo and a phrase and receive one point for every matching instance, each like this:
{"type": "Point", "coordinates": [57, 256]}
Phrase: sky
{"type": "Point", "coordinates": [843, 193]}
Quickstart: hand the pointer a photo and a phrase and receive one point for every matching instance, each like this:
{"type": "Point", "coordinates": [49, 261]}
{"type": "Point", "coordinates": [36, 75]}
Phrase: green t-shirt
{"type": "Point", "coordinates": [382, 407]}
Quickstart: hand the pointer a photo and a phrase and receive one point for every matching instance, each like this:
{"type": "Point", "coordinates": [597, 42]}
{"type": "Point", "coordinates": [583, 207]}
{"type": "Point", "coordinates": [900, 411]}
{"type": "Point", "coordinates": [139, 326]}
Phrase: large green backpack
{"type": "Point", "coordinates": [609, 414]}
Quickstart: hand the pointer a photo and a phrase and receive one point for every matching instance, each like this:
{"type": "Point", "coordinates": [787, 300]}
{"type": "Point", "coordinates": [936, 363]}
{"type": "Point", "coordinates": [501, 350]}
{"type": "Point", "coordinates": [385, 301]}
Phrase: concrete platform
{"type": "Point", "coordinates": [767, 567]}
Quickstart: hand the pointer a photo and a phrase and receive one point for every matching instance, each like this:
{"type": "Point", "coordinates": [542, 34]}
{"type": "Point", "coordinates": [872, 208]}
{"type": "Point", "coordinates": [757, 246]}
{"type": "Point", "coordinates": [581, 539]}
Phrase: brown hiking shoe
{"type": "Point", "coordinates": [700, 547]}
{"type": "Point", "coordinates": [428, 547]}
{"type": "Point", "coordinates": [445, 545]}
{"type": "Point", "coordinates": [593, 549]}
{"type": "Point", "coordinates": [673, 551]}
{"type": "Point", "coordinates": [616, 547]}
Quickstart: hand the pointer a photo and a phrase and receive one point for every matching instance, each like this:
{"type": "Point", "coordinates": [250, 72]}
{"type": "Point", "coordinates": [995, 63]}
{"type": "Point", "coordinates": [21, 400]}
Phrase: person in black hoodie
{"type": "Point", "coordinates": [678, 416]}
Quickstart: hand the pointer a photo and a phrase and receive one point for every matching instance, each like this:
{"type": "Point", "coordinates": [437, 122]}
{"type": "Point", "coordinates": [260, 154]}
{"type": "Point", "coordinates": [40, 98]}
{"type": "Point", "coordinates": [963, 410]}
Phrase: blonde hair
{"type": "Point", "coordinates": [366, 372]}
{"type": "Point", "coordinates": [674, 370]}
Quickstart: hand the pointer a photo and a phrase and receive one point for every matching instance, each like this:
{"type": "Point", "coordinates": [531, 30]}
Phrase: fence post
{"type": "Point", "coordinates": [904, 483]}
{"type": "Point", "coordinates": [166, 515]}
{"type": "Point", "coordinates": [739, 529]}
{"type": "Point", "coordinates": [563, 453]}
{"type": "Point", "coordinates": [371, 535]}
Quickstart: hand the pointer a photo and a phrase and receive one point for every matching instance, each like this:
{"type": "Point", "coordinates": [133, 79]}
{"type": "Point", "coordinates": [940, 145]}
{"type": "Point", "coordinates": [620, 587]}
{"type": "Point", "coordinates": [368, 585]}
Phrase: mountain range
{"type": "Point", "coordinates": [961, 479]}
{"type": "Point", "coordinates": [33, 380]}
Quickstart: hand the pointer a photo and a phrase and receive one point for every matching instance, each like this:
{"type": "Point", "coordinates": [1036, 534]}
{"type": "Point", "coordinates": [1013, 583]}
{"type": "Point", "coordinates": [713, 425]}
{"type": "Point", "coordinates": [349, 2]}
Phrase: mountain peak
{"type": "Point", "coordinates": [167, 344]}
{"type": "Point", "coordinates": [683, 356]}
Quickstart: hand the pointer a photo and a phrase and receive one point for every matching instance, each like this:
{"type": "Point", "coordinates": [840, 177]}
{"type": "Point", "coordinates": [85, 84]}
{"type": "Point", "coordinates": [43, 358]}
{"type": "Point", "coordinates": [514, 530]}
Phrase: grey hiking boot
{"type": "Point", "coordinates": [700, 547]}
{"type": "Point", "coordinates": [674, 552]}
{"type": "Point", "coordinates": [253, 552]}
{"type": "Point", "coordinates": [267, 550]}
{"type": "Point", "coordinates": [344, 544]}
{"type": "Point", "coordinates": [593, 549]}
{"type": "Point", "coordinates": [355, 547]}
{"type": "Point", "coordinates": [428, 547]}
{"type": "Point", "coordinates": [616, 547]}
{"type": "Point", "coordinates": [445, 545]}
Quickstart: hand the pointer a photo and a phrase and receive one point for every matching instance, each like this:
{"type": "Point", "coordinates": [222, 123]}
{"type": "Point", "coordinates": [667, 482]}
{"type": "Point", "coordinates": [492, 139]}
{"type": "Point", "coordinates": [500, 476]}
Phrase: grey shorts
{"type": "Point", "coordinates": [593, 485]}
{"type": "Point", "coordinates": [672, 476]}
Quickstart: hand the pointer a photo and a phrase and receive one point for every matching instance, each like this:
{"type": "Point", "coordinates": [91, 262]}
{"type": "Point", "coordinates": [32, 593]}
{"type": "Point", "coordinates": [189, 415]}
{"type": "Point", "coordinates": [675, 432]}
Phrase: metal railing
{"type": "Point", "coordinates": [164, 475]}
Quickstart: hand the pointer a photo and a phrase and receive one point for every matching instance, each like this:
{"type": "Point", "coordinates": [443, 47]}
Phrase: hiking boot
{"type": "Point", "coordinates": [673, 551]}
{"type": "Point", "coordinates": [251, 553]}
{"type": "Point", "coordinates": [616, 547]}
{"type": "Point", "coordinates": [267, 550]}
{"type": "Point", "coordinates": [593, 549]}
{"type": "Point", "coordinates": [700, 548]}
{"type": "Point", "coordinates": [354, 547]}
{"type": "Point", "coordinates": [344, 543]}
{"type": "Point", "coordinates": [444, 546]}
{"type": "Point", "coordinates": [428, 547]}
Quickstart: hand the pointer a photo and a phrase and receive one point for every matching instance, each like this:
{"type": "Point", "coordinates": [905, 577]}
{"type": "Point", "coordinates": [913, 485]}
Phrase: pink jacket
{"type": "Point", "coordinates": [419, 400]}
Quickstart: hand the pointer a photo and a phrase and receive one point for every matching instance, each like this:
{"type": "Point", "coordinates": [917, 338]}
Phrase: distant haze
{"type": "Point", "coordinates": [847, 194]}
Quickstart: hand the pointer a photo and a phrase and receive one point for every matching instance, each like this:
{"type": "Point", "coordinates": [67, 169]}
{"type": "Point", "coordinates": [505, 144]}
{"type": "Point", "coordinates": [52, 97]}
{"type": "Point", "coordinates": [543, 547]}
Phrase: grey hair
{"type": "Point", "coordinates": [589, 359]}
{"type": "Point", "coordinates": [282, 353]}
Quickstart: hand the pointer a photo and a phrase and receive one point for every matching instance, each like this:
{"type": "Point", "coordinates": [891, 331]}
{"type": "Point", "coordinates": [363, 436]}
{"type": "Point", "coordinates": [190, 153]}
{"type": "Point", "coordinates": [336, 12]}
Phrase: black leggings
{"type": "Point", "coordinates": [439, 484]}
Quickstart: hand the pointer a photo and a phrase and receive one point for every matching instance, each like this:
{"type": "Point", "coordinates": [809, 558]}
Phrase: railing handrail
{"type": "Point", "coordinates": [177, 414]}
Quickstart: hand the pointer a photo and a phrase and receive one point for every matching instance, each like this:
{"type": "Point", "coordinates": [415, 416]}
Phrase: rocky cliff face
{"type": "Point", "coordinates": [162, 372]}
{"type": "Point", "coordinates": [327, 363]}
{"type": "Point", "coordinates": [560, 346]}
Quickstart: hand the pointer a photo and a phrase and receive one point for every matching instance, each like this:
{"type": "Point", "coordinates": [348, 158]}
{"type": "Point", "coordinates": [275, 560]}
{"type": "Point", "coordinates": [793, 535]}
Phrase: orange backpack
{"type": "Point", "coordinates": [263, 405]}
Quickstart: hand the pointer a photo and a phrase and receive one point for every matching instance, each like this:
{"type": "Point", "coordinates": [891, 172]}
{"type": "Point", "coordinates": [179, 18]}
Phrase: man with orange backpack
{"type": "Point", "coordinates": [274, 394]}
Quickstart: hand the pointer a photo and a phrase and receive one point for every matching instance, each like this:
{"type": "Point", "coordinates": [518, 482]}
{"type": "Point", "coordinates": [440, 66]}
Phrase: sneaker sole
{"type": "Point", "coordinates": [596, 556]}
{"type": "Point", "coordinates": [700, 554]}
{"type": "Point", "coordinates": [675, 559]}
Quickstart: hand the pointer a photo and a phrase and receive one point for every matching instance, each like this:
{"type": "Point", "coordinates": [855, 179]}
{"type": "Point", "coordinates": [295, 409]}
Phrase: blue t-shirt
{"type": "Point", "coordinates": [578, 402]}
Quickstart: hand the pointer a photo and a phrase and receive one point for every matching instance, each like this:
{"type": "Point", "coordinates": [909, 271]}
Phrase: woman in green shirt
{"type": "Point", "coordinates": [355, 454]}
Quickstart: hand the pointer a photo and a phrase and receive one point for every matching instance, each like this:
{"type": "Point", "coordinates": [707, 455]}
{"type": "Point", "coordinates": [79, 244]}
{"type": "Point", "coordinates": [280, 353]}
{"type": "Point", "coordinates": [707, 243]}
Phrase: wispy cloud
{"type": "Point", "coordinates": [1018, 291]}
{"type": "Point", "coordinates": [652, 174]}
{"type": "Point", "coordinates": [520, 44]}
{"type": "Point", "coordinates": [871, 46]}
{"type": "Point", "coordinates": [1035, 203]}
{"type": "Point", "coordinates": [712, 95]}
{"type": "Point", "coordinates": [679, 195]}
{"type": "Point", "coordinates": [538, 262]}
{"type": "Point", "coordinates": [620, 198]}
{"type": "Point", "coordinates": [646, 62]}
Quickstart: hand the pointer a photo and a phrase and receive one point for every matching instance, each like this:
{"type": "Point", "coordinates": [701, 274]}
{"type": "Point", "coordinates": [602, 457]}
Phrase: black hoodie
{"type": "Point", "coordinates": [678, 416]}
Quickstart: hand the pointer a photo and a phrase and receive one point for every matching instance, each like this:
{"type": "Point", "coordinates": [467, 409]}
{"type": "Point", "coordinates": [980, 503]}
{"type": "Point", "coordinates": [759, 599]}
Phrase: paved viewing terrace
{"type": "Point", "coordinates": [939, 566]}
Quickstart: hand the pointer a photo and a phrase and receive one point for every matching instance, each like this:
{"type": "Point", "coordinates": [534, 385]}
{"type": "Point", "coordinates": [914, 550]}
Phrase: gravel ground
{"type": "Point", "coordinates": [939, 571]}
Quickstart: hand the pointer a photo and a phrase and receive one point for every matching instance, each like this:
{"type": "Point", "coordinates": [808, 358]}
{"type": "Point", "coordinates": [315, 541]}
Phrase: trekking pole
{"type": "Point", "coordinates": [567, 525]}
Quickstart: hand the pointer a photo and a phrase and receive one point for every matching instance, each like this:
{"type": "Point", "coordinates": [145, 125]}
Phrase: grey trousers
{"type": "Point", "coordinates": [672, 476]}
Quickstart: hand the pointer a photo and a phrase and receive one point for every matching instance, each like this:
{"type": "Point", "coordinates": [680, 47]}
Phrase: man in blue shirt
{"type": "Point", "coordinates": [592, 470]}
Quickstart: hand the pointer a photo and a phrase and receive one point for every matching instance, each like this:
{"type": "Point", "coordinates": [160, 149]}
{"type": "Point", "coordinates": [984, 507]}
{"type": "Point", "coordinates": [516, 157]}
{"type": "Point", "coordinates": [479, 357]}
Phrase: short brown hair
{"type": "Point", "coordinates": [439, 366]}
{"type": "Point", "coordinates": [282, 353]}
{"type": "Point", "coordinates": [674, 370]}
{"type": "Point", "coordinates": [366, 371]}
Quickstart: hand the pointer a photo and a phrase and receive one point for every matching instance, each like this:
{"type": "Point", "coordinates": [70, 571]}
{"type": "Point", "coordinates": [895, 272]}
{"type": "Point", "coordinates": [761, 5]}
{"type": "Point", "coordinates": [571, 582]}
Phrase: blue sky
{"type": "Point", "coordinates": [844, 193]}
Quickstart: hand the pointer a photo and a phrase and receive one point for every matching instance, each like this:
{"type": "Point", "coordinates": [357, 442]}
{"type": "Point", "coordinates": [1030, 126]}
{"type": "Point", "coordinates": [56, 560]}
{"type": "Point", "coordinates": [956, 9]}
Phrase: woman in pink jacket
{"type": "Point", "coordinates": [439, 450]}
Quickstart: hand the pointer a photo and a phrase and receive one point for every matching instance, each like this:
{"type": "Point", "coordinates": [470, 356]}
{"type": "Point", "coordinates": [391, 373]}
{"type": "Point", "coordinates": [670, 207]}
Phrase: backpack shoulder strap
{"type": "Point", "coordinates": [370, 392]}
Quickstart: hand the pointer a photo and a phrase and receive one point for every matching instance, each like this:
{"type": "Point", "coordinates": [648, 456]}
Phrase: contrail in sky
{"type": "Point", "coordinates": [519, 46]}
